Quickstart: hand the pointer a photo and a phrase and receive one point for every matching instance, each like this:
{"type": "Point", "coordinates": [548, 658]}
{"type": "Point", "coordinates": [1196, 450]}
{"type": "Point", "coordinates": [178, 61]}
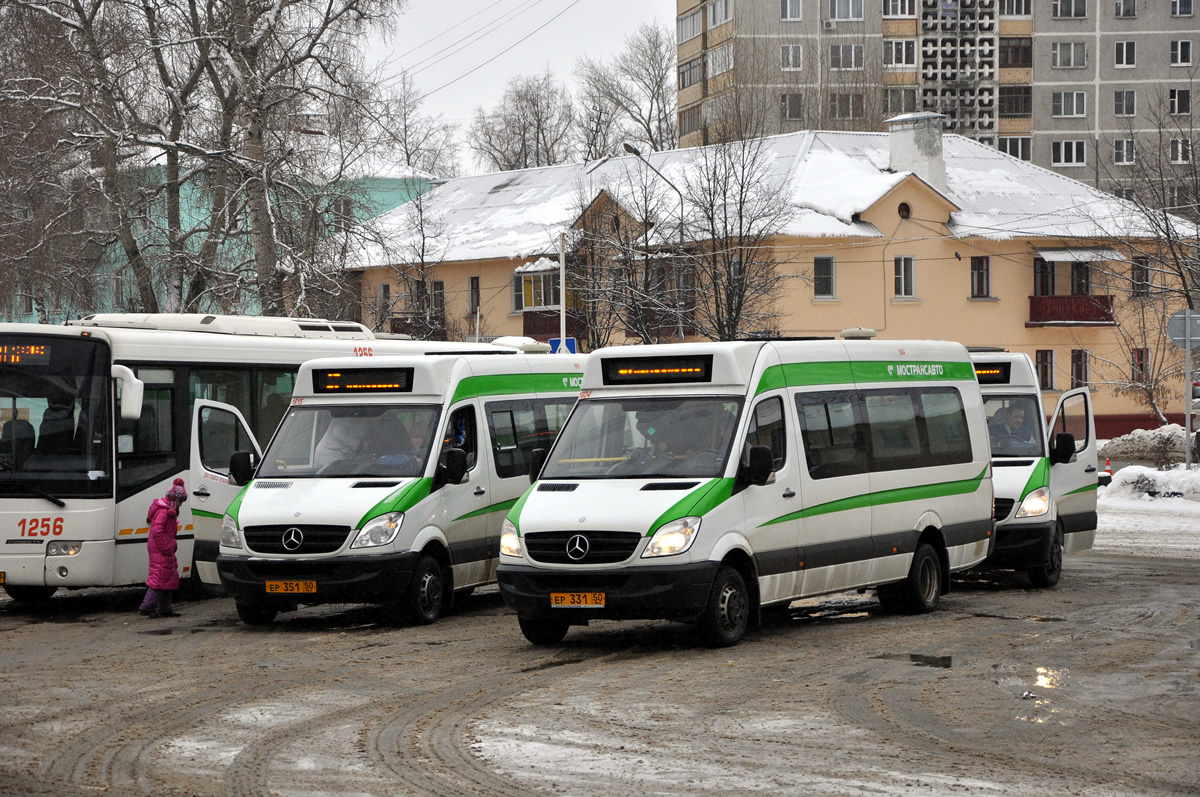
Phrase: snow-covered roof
{"type": "Point", "coordinates": [830, 177]}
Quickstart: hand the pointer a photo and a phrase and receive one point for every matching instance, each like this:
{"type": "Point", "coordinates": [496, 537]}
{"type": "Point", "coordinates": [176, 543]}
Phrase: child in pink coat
{"type": "Point", "coordinates": [163, 576]}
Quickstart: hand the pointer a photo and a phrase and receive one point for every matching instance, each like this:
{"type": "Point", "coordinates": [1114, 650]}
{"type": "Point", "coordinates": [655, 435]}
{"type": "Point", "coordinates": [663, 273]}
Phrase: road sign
{"type": "Point", "coordinates": [569, 344]}
{"type": "Point", "coordinates": [1179, 325]}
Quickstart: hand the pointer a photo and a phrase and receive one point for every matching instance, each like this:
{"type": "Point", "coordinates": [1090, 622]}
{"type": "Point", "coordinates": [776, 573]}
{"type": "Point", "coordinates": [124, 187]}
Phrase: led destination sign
{"type": "Point", "coordinates": [657, 370]}
{"type": "Point", "coordinates": [363, 380]}
{"type": "Point", "coordinates": [993, 373]}
{"type": "Point", "coordinates": [24, 354]}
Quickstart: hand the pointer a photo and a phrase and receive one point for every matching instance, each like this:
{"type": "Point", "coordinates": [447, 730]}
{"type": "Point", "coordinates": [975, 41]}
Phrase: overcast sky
{"type": "Point", "coordinates": [461, 54]}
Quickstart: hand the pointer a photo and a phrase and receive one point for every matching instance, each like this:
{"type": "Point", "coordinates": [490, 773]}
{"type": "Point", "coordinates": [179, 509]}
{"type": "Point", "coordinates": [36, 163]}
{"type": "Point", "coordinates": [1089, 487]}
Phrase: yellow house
{"type": "Point", "coordinates": [910, 234]}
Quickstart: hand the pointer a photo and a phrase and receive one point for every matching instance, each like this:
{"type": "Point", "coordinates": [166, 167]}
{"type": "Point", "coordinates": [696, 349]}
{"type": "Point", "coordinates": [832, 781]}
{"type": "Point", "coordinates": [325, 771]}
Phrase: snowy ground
{"type": "Point", "coordinates": [1134, 522]}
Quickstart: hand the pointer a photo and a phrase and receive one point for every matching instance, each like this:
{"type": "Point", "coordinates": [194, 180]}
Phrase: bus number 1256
{"type": "Point", "coordinates": [40, 527]}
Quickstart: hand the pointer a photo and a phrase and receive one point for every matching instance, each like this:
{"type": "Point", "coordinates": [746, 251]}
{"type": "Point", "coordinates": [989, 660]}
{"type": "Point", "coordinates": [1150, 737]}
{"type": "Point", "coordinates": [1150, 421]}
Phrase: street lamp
{"type": "Point", "coordinates": [632, 150]}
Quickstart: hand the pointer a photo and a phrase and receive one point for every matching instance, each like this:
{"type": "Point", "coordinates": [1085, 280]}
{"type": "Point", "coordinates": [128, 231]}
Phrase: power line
{"type": "Point", "coordinates": [466, 41]}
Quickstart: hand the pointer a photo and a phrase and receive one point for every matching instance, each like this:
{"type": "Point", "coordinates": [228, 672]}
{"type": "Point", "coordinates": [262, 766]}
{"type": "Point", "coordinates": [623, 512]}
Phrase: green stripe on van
{"type": "Point", "coordinates": [514, 514]}
{"type": "Point", "coordinates": [503, 506]}
{"type": "Point", "coordinates": [1087, 488]}
{"type": "Point", "coordinates": [1039, 478]}
{"type": "Point", "coordinates": [507, 384]}
{"type": "Point", "coordinates": [402, 500]}
{"type": "Point", "coordinates": [235, 504]}
{"type": "Point", "coordinates": [202, 513]}
{"type": "Point", "coordinates": [847, 373]}
{"type": "Point", "coordinates": [696, 503]}
{"type": "Point", "coordinates": [899, 495]}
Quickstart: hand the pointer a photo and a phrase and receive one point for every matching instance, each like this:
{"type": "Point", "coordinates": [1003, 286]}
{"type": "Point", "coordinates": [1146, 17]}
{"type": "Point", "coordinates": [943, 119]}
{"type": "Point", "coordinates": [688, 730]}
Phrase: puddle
{"type": "Point", "coordinates": [1033, 619]}
{"type": "Point", "coordinates": [170, 631]}
{"type": "Point", "coordinates": [918, 659]}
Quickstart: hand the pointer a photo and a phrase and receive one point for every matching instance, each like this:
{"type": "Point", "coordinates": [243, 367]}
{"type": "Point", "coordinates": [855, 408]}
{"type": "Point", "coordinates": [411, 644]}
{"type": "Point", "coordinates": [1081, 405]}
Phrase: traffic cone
{"type": "Point", "coordinates": [1108, 467]}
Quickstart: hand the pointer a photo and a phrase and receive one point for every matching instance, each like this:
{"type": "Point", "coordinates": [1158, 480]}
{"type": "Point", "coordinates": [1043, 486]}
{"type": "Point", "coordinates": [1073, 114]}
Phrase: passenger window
{"type": "Point", "coordinates": [767, 429]}
{"type": "Point", "coordinates": [518, 427]}
{"type": "Point", "coordinates": [460, 433]}
{"type": "Point", "coordinates": [833, 443]}
{"type": "Point", "coordinates": [946, 425]}
{"type": "Point", "coordinates": [892, 419]}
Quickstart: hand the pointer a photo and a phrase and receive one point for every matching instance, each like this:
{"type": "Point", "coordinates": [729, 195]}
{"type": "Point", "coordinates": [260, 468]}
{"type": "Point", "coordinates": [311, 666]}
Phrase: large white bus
{"type": "Point", "coordinates": [101, 414]}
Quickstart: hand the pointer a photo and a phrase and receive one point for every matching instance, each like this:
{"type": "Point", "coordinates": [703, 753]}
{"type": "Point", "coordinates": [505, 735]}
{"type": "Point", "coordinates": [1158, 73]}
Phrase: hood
{"type": "Point", "coordinates": [1018, 481]}
{"type": "Point", "coordinates": [641, 505]}
{"type": "Point", "coordinates": [327, 501]}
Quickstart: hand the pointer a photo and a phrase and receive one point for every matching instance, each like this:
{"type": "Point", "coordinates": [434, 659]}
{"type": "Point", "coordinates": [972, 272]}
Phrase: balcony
{"type": "Point", "coordinates": [544, 324]}
{"type": "Point", "coordinates": [1070, 311]}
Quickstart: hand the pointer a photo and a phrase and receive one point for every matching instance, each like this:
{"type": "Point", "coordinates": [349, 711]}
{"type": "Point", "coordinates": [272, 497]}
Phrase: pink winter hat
{"type": "Point", "coordinates": [177, 493]}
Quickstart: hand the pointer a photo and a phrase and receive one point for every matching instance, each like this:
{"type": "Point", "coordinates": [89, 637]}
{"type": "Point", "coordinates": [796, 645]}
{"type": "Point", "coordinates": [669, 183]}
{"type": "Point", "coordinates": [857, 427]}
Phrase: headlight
{"type": "Point", "coordinates": [229, 533]}
{"type": "Point", "coordinates": [379, 531]}
{"type": "Point", "coordinates": [510, 543]}
{"type": "Point", "coordinates": [63, 548]}
{"type": "Point", "coordinates": [673, 538]}
{"type": "Point", "coordinates": [1036, 503]}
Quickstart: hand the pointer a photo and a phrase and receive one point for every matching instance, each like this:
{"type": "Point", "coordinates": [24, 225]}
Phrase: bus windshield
{"type": "Point", "coordinates": [1015, 425]}
{"type": "Point", "coordinates": [357, 440]}
{"type": "Point", "coordinates": [55, 441]}
{"type": "Point", "coordinates": [645, 437]}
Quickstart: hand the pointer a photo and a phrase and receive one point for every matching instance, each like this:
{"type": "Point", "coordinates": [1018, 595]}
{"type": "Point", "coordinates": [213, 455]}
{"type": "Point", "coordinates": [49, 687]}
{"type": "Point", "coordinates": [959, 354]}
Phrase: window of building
{"type": "Point", "coordinates": [540, 290]}
{"type": "Point", "coordinates": [791, 57]}
{"type": "Point", "coordinates": [472, 294]}
{"type": "Point", "coordinates": [981, 277]}
{"type": "Point", "coordinates": [1178, 196]}
{"type": "Point", "coordinates": [1016, 52]}
{"type": "Point", "coordinates": [900, 53]}
{"type": "Point", "coordinates": [825, 277]}
{"type": "Point", "coordinates": [1016, 100]}
{"type": "Point", "coordinates": [1179, 101]}
{"type": "Point", "coordinates": [689, 120]}
{"type": "Point", "coordinates": [846, 10]}
{"type": "Point", "coordinates": [1180, 150]}
{"type": "Point", "coordinates": [27, 304]}
{"type": "Point", "coordinates": [1069, 9]}
{"type": "Point", "coordinates": [1181, 52]}
{"type": "Point", "coordinates": [437, 298]}
{"type": "Point", "coordinates": [906, 285]}
{"type": "Point", "coordinates": [719, 12]}
{"type": "Point", "coordinates": [789, 10]}
{"type": "Point", "coordinates": [846, 106]}
{"type": "Point", "coordinates": [791, 106]}
{"type": "Point", "coordinates": [1126, 8]}
{"type": "Point", "coordinates": [1124, 192]}
{"type": "Point", "coordinates": [1068, 103]}
{"type": "Point", "coordinates": [1043, 361]}
{"type": "Point", "coordinates": [1181, 8]}
{"type": "Point", "coordinates": [1017, 146]}
{"type": "Point", "coordinates": [1068, 153]}
{"type": "Point", "coordinates": [898, 99]}
{"type": "Point", "coordinates": [1139, 277]}
{"type": "Point", "coordinates": [1016, 8]}
{"type": "Point", "coordinates": [518, 293]}
{"type": "Point", "coordinates": [1079, 368]}
{"type": "Point", "coordinates": [1124, 103]}
{"type": "Point", "coordinates": [1123, 151]}
{"type": "Point", "coordinates": [385, 300]}
{"type": "Point", "coordinates": [691, 72]}
{"type": "Point", "coordinates": [1068, 55]}
{"type": "Point", "coordinates": [900, 8]}
{"type": "Point", "coordinates": [1043, 277]}
{"type": "Point", "coordinates": [720, 60]}
{"type": "Point", "coordinates": [689, 26]}
{"type": "Point", "coordinates": [1126, 54]}
{"type": "Point", "coordinates": [1139, 365]}
{"type": "Point", "coordinates": [1081, 279]}
{"type": "Point", "coordinates": [845, 56]}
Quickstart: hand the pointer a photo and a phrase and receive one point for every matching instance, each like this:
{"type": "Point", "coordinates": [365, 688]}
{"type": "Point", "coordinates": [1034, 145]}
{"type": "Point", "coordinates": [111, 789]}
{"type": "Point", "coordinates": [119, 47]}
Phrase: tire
{"type": "Point", "coordinates": [727, 613]}
{"type": "Point", "coordinates": [256, 614]}
{"type": "Point", "coordinates": [29, 593]}
{"type": "Point", "coordinates": [1047, 574]}
{"type": "Point", "coordinates": [543, 630]}
{"type": "Point", "coordinates": [921, 590]}
{"type": "Point", "coordinates": [426, 597]}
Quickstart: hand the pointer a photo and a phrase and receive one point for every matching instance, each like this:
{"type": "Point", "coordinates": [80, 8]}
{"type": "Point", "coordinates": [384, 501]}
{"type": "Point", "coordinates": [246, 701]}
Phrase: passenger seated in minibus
{"type": "Point", "coordinates": [341, 442]}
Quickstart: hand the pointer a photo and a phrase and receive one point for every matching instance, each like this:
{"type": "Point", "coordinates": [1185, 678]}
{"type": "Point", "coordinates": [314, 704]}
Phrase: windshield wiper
{"type": "Point", "coordinates": [58, 502]}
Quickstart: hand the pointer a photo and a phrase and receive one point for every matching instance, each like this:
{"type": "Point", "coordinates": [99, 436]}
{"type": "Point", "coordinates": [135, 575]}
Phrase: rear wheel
{"type": "Point", "coordinates": [256, 613]}
{"type": "Point", "coordinates": [727, 613]}
{"type": "Point", "coordinates": [543, 630]}
{"type": "Point", "coordinates": [426, 592]}
{"type": "Point", "coordinates": [29, 592]}
{"type": "Point", "coordinates": [921, 590]}
{"type": "Point", "coordinates": [1048, 573]}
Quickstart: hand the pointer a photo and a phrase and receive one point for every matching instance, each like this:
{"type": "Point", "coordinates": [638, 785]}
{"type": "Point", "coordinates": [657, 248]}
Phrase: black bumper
{"type": "Point", "coordinates": [359, 579]}
{"type": "Point", "coordinates": [678, 592]}
{"type": "Point", "coordinates": [1020, 546]}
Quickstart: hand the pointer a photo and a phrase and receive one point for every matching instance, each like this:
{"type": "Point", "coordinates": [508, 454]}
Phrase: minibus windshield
{"type": "Point", "coordinates": [646, 437]}
{"type": "Point", "coordinates": [356, 440]}
{"type": "Point", "coordinates": [1015, 425]}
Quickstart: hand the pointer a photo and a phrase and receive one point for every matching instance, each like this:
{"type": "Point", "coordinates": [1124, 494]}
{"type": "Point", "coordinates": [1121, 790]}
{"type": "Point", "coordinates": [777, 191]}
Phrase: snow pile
{"type": "Point", "coordinates": [1162, 446]}
{"type": "Point", "coordinates": [1136, 482]}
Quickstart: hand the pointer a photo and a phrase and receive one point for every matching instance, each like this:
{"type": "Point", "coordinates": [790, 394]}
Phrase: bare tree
{"type": "Point", "coordinates": [420, 141]}
{"type": "Point", "coordinates": [529, 127]}
{"type": "Point", "coordinates": [420, 309]}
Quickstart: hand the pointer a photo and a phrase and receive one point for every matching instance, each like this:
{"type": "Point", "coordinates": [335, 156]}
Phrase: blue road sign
{"type": "Point", "coordinates": [555, 345]}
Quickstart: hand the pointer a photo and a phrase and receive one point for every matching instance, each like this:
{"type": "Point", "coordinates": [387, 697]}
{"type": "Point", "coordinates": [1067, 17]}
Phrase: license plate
{"type": "Point", "coordinates": [288, 587]}
{"type": "Point", "coordinates": [572, 600]}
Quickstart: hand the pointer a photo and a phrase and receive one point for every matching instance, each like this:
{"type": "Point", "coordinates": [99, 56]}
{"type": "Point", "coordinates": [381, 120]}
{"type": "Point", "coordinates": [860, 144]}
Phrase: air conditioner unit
{"type": "Point", "coordinates": [829, 24]}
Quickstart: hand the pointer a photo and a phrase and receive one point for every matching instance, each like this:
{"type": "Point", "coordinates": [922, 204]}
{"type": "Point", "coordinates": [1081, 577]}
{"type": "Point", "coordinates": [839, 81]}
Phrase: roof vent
{"type": "Point", "coordinates": [858, 333]}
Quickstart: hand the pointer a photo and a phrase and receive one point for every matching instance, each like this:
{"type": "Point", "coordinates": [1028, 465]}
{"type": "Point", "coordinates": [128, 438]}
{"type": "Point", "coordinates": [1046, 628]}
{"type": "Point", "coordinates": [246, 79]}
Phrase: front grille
{"type": "Point", "coordinates": [260, 485]}
{"type": "Point", "coordinates": [1004, 506]}
{"type": "Point", "coordinates": [556, 487]}
{"type": "Point", "coordinates": [316, 539]}
{"type": "Point", "coordinates": [367, 485]}
{"type": "Point", "coordinates": [653, 486]}
{"type": "Point", "coordinates": [603, 547]}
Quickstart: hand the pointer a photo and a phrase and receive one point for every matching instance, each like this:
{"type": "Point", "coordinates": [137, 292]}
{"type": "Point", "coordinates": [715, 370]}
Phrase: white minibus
{"type": "Point", "coordinates": [387, 481]}
{"type": "Point", "coordinates": [701, 482]}
{"type": "Point", "coordinates": [1045, 474]}
{"type": "Point", "coordinates": [99, 416]}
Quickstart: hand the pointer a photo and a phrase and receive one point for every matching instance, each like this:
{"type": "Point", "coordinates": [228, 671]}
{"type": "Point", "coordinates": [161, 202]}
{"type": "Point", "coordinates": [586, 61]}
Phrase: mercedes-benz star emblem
{"type": "Point", "coordinates": [293, 538]}
{"type": "Point", "coordinates": [577, 547]}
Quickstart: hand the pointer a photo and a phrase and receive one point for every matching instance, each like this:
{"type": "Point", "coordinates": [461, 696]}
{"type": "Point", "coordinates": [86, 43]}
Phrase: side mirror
{"type": "Point", "coordinates": [241, 468]}
{"type": "Point", "coordinates": [1064, 448]}
{"type": "Point", "coordinates": [537, 458]}
{"type": "Point", "coordinates": [451, 469]}
{"type": "Point", "coordinates": [761, 466]}
{"type": "Point", "coordinates": [132, 390]}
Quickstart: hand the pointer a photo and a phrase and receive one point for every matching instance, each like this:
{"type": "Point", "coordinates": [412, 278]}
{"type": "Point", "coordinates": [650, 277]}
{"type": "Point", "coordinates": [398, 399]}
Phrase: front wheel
{"type": "Point", "coordinates": [256, 613]}
{"type": "Point", "coordinates": [29, 592]}
{"type": "Point", "coordinates": [921, 590]}
{"type": "Point", "coordinates": [426, 592]}
{"type": "Point", "coordinates": [727, 614]}
{"type": "Point", "coordinates": [1048, 573]}
{"type": "Point", "coordinates": [543, 630]}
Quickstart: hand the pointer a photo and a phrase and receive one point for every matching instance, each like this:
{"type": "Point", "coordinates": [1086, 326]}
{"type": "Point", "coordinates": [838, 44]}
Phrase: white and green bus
{"type": "Point", "coordinates": [702, 482]}
{"type": "Point", "coordinates": [99, 416]}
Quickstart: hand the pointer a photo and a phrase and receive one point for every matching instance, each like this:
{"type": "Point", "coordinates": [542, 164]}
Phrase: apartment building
{"type": "Point", "coordinates": [1078, 86]}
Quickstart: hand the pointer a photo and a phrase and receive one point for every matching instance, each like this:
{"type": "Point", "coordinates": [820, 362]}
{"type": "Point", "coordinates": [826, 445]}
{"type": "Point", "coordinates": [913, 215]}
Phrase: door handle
{"type": "Point", "coordinates": [201, 493]}
{"type": "Point", "coordinates": [789, 493]}
{"type": "Point", "coordinates": [1089, 469]}
{"type": "Point", "coordinates": [480, 491]}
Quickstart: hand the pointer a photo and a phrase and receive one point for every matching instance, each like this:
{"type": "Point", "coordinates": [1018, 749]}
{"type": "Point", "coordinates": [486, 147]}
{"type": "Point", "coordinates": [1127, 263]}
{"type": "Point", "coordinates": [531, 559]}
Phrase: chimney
{"type": "Point", "coordinates": [915, 145]}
